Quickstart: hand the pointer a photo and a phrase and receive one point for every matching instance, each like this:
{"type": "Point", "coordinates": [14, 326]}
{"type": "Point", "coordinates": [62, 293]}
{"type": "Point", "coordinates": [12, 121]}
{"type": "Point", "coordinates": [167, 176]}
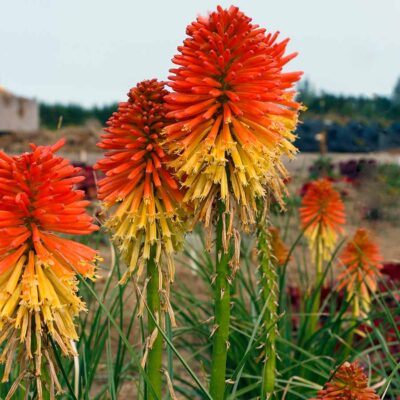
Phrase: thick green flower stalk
{"type": "Point", "coordinates": [269, 290]}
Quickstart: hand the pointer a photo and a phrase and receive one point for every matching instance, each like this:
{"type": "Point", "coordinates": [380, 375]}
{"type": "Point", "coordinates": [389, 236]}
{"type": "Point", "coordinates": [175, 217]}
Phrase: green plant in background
{"type": "Point", "coordinates": [322, 167]}
{"type": "Point", "coordinates": [390, 175]}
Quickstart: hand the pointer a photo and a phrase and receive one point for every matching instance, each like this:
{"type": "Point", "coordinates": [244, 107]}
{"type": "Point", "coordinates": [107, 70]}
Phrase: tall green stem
{"type": "Point", "coordinates": [318, 287]}
{"type": "Point", "coordinates": [270, 293]}
{"type": "Point", "coordinates": [221, 311]}
{"type": "Point", "coordinates": [356, 316]}
{"type": "Point", "coordinates": [154, 360]}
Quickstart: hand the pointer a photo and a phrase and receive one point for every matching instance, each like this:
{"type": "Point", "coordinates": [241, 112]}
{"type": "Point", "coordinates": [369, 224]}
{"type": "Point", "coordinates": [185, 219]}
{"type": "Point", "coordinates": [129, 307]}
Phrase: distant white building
{"type": "Point", "coordinates": [17, 113]}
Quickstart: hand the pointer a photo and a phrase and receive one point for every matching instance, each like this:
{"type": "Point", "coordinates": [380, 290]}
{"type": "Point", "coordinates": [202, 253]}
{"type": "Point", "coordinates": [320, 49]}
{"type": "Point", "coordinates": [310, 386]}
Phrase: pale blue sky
{"type": "Point", "coordinates": [93, 51]}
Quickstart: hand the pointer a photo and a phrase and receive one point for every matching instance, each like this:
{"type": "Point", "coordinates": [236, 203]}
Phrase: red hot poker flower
{"type": "Point", "coordinates": [37, 267]}
{"type": "Point", "coordinates": [322, 215]}
{"type": "Point", "coordinates": [145, 194]}
{"type": "Point", "coordinates": [235, 112]}
{"type": "Point", "coordinates": [348, 383]}
{"type": "Point", "coordinates": [362, 261]}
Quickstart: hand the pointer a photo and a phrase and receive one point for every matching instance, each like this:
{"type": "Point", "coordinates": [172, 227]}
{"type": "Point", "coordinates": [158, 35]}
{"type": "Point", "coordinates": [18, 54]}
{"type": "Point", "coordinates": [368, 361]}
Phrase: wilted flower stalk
{"type": "Point", "coordinates": [144, 203]}
{"type": "Point", "coordinates": [322, 215]}
{"type": "Point", "coordinates": [349, 382]}
{"type": "Point", "coordinates": [38, 285]}
{"type": "Point", "coordinates": [235, 113]}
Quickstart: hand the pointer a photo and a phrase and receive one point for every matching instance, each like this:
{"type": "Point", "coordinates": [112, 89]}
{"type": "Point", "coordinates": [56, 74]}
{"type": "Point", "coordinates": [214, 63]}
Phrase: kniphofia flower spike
{"type": "Point", "coordinates": [38, 285]}
{"type": "Point", "coordinates": [322, 215]}
{"type": "Point", "coordinates": [235, 113]}
{"type": "Point", "coordinates": [362, 262]}
{"type": "Point", "coordinates": [349, 382]}
{"type": "Point", "coordinates": [140, 191]}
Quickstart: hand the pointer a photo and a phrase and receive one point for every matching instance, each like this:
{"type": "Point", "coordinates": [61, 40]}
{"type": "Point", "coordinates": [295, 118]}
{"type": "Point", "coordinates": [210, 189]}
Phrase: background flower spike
{"type": "Point", "coordinates": [362, 262]}
{"type": "Point", "coordinates": [349, 382]}
{"type": "Point", "coordinates": [322, 216]}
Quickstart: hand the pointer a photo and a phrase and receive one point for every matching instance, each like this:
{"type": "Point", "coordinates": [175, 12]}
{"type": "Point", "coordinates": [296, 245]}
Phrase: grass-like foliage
{"type": "Point", "coordinates": [110, 346]}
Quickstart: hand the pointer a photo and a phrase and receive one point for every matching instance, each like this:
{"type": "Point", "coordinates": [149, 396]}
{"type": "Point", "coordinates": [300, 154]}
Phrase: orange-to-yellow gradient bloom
{"type": "Point", "coordinates": [141, 191]}
{"type": "Point", "coordinates": [362, 261]}
{"type": "Point", "coordinates": [235, 113]}
{"type": "Point", "coordinates": [278, 248]}
{"type": "Point", "coordinates": [322, 215]}
{"type": "Point", "coordinates": [38, 285]}
{"type": "Point", "coordinates": [349, 382]}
